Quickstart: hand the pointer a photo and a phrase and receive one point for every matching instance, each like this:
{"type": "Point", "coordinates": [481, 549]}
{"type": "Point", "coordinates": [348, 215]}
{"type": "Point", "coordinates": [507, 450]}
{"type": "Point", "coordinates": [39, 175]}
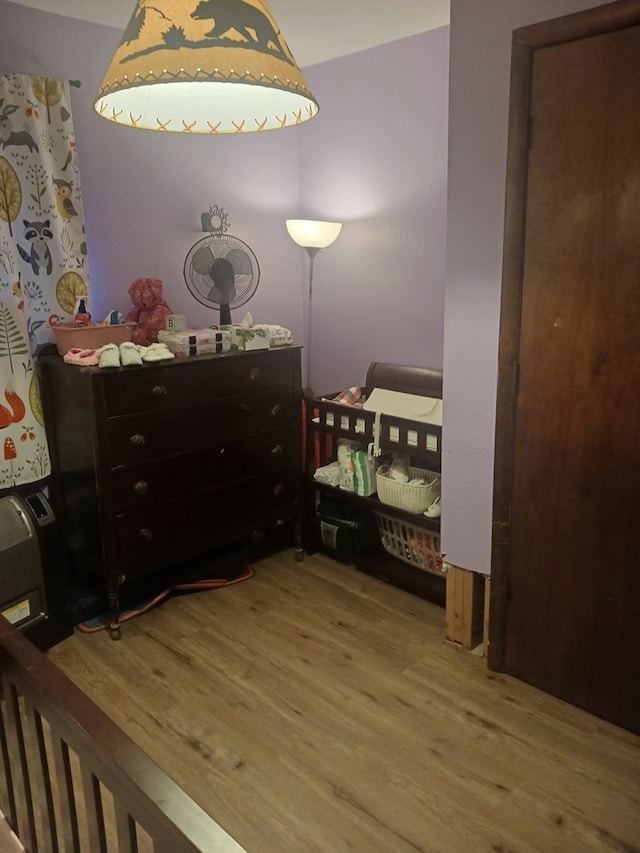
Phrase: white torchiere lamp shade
{"type": "Point", "coordinates": [204, 66]}
{"type": "Point", "coordinates": [312, 235]}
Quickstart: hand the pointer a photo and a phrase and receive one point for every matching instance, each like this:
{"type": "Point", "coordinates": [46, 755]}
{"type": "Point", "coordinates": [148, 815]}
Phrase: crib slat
{"type": "Point", "coordinates": [22, 786]}
{"type": "Point", "coordinates": [94, 813]}
{"type": "Point", "coordinates": [66, 794]}
{"type": "Point", "coordinates": [10, 801]}
{"type": "Point", "coordinates": [42, 780]}
{"type": "Point", "coordinates": [126, 830]}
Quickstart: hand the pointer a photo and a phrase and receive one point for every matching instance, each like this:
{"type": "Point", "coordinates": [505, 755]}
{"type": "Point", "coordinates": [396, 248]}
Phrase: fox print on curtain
{"type": "Point", "coordinates": [43, 270]}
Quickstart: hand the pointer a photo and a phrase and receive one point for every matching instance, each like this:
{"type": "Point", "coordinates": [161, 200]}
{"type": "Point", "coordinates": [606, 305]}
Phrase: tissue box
{"type": "Point", "coordinates": [248, 339]}
{"type": "Point", "coordinates": [278, 335]}
{"type": "Point", "coordinates": [195, 341]}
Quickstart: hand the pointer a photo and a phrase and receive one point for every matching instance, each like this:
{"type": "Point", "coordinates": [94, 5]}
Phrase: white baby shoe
{"type": "Point", "coordinates": [155, 352]}
{"type": "Point", "coordinates": [433, 511]}
{"type": "Point", "coordinates": [109, 356]}
{"type": "Point", "coordinates": [129, 354]}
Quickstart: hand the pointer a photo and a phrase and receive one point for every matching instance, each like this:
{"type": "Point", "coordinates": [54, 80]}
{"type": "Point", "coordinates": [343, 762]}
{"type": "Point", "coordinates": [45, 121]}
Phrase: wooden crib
{"type": "Point", "coordinates": [71, 780]}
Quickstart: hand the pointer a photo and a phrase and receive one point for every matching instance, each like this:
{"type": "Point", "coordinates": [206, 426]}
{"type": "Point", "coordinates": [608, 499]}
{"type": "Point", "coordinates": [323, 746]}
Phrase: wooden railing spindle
{"type": "Point", "coordinates": [94, 812]}
{"type": "Point", "coordinates": [9, 800]}
{"type": "Point", "coordinates": [66, 794]}
{"type": "Point", "coordinates": [42, 779]}
{"type": "Point", "coordinates": [25, 818]}
{"type": "Point", "coordinates": [126, 830]}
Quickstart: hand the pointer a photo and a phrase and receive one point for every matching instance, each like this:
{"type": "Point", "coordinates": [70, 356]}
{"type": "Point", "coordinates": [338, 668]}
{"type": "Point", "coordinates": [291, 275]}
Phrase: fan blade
{"type": "Point", "coordinates": [243, 282]}
{"type": "Point", "coordinates": [240, 261]}
{"type": "Point", "coordinates": [202, 260]}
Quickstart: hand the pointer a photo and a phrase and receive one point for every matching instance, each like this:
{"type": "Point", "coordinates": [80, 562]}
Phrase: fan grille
{"type": "Point", "coordinates": [207, 271]}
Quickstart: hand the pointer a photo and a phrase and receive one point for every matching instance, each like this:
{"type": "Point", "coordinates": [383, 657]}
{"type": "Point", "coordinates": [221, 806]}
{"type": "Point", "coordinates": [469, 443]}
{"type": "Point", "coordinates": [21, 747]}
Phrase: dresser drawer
{"type": "Point", "coordinates": [151, 436]}
{"type": "Point", "coordinates": [187, 381]}
{"type": "Point", "coordinates": [199, 470]}
{"type": "Point", "coordinates": [182, 528]}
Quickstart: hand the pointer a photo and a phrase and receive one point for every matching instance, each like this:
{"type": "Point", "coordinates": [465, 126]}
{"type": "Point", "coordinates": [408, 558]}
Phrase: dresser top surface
{"type": "Point", "coordinates": [51, 356]}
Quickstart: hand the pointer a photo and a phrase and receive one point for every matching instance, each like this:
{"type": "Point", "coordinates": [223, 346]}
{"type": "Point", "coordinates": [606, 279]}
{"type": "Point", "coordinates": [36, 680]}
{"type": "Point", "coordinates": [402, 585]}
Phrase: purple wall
{"type": "Point", "coordinates": [377, 161]}
{"type": "Point", "coordinates": [375, 158]}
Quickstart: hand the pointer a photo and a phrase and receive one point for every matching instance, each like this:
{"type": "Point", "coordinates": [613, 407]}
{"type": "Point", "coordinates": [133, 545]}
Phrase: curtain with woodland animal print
{"type": "Point", "coordinates": [43, 269]}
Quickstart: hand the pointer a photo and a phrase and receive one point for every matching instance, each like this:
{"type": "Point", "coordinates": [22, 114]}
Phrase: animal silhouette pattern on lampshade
{"type": "Point", "coordinates": [206, 66]}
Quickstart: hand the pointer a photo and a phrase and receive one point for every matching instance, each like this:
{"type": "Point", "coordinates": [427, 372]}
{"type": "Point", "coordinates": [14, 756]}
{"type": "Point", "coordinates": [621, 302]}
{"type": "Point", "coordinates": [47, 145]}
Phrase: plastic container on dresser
{"type": "Point", "coordinates": [408, 553]}
{"type": "Point", "coordinates": [163, 462]}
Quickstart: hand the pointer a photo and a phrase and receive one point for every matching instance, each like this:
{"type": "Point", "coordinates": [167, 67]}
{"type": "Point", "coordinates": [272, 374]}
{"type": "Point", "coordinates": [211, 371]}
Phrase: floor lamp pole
{"type": "Point", "coordinates": [311, 235]}
{"type": "Point", "coordinates": [312, 251]}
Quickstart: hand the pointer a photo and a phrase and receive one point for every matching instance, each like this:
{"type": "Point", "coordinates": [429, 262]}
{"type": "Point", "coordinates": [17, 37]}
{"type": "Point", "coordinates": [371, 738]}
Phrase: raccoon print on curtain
{"type": "Point", "coordinates": [43, 266]}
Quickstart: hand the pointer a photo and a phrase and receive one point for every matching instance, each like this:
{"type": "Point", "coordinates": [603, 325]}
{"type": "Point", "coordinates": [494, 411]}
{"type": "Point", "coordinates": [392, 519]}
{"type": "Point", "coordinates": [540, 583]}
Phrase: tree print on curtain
{"type": "Point", "coordinates": [43, 268]}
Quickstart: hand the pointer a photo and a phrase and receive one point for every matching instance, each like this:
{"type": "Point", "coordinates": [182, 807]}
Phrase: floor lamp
{"type": "Point", "coordinates": [312, 236]}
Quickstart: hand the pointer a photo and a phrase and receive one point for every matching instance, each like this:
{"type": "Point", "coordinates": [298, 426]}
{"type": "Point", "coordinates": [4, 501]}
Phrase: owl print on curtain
{"type": "Point", "coordinates": [43, 264]}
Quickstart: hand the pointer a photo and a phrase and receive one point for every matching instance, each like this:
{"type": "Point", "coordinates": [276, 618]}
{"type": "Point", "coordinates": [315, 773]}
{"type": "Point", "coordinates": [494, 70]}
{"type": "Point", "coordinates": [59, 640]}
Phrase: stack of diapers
{"type": "Point", "coordinates": [364, 473]}
{"type": "Point", "coordinates": [345, 462]}
{"type": "Point", "coordinates": [358, 468]}
{"type": "Point", "coordinates": [195, 341]}
{"type": "Point", "coordinates": [354, 470]}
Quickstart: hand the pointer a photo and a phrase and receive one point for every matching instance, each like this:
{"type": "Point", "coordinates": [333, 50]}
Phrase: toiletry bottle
{"type": "Point", "coordinates": [82, 315]}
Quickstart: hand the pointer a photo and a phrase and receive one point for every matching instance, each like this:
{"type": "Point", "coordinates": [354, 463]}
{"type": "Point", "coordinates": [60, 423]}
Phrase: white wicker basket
{"type": "Point", "coordinates": [419, 548]}
{"type": "Point", "coordinates": [412, 497]}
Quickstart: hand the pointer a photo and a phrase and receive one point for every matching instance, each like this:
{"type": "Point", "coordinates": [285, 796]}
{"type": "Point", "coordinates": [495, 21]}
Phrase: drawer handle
{"type": "Point", "coordinates": [276, 410]}
{"type": "Point", "coordinates": [146, 534]}
{"type": "Point", "coordinates": [278, 489]}
{"type": "Point", "coordinates": [278, 450]}
{"type": "Point", "coordinates": [137, 440]}
{"type": "Point", "coordinates": [255, 374]}
{"type": "Point", "coordinates": [141, 487]}
{"type": "Point", "coordinates": [159, 390]}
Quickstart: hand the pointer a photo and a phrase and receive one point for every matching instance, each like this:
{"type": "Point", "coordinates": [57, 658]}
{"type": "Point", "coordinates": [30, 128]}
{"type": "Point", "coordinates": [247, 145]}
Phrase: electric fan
{"type": "Point", "coordinates": [221, 272]}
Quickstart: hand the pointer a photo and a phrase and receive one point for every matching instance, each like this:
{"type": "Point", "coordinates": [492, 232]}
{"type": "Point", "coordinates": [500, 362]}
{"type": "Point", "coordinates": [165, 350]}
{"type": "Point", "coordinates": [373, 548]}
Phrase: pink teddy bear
{"type": "Point", "coordinates": [149, 310]}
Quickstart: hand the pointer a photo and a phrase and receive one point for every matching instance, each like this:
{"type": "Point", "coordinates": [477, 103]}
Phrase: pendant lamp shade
{"type": "Point", "coordinates": [204, 66]}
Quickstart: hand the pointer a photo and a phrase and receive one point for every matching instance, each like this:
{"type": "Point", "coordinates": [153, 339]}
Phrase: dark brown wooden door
{"type": "Point", "coordinates": [566, 605]}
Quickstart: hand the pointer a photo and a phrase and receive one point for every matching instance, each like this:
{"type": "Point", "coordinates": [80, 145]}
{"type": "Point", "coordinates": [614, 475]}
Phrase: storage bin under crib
{"type": "Point", "coordinates": [409, 543]}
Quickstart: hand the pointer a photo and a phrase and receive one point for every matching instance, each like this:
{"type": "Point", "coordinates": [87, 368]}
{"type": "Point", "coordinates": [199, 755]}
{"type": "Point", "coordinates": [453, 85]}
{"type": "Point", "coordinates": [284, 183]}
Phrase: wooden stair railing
{"type": "Point", "coordinates": [71, 780]}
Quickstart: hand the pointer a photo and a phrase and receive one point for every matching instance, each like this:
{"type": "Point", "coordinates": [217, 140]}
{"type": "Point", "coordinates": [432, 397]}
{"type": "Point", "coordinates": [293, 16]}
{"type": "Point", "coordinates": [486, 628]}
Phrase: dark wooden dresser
{"type": "Point", "coordinates": [158, 463]}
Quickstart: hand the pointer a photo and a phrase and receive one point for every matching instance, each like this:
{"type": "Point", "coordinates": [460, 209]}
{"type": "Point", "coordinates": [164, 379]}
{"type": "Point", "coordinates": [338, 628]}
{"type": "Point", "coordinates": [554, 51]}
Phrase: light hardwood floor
{"type": "Point", "coordinates": [314, 708]}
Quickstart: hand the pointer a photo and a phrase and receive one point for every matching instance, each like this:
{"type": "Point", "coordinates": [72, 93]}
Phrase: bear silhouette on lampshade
{"type": "Point", "coordinates": [206, 66]}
